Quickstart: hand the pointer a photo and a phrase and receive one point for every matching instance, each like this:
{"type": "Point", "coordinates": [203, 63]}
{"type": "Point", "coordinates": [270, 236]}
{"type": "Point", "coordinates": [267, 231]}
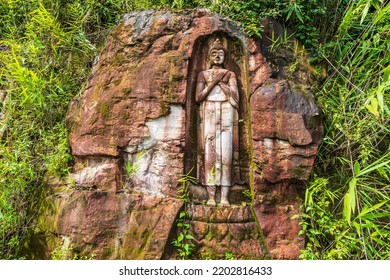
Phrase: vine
{"type": "Point", "coordinates": [184, 241]}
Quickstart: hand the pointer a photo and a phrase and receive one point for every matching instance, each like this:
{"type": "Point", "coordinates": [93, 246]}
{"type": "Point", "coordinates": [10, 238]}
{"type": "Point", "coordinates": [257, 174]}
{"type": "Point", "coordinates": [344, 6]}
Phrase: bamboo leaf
{"type": "Point", "coordinates": [373, 166]}
{"type": "Point", "coordinates": [356, 168]}
{"type": "Point", "coordinates": [366, 210]}
{"type": "Point", "coordinates": [346, 209]}
{"type": "Point", "coordinates": [379, 96]}
{"type": "Point", "coordinates": [308, 198]}
{"type": "Point", "coordinates": [290, 11]}
{"type": "Point", "coordinates": [365, 11]}
{"type": "Point", "coordinates": [386, 71]}
{"type": "Point", "coordinates": [352, 196]}
{"type": "Point", "coordinates": [357, 227]}
{"type": "Point", "coordinates": [373, 107]}
{"type": "Point", "coordinates": [381, 14]}
{"type": "Point", "coordinates": [350, 201]}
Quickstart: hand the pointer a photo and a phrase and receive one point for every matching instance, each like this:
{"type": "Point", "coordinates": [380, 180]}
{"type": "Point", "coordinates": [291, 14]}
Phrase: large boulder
{"type": "Point", "coordinates": [133, 133]}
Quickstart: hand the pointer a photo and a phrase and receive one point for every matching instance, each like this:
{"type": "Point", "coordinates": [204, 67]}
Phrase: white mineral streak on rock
{"type": "Point", "coordinates": [164, 128]}
{"type": "Point", "coordinates": [149, 175]}
{"type": "Point", "coordinates": [268, 143]}
{"type": "Point", "coordinates": [151, 166]}
{"type": "Point", "coordinates": [89, 176]}
{"type": "Point", "coordinates": [253, 65]}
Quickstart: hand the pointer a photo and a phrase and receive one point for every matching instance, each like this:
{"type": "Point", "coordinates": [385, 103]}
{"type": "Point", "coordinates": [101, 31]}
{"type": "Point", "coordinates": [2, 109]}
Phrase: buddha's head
{"type": "Point", "coordinates": [217, 54]}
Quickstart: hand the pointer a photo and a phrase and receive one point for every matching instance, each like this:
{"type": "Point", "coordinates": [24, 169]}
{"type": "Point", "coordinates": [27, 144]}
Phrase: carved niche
{"type": "Point", "coordinates": [217, 153]}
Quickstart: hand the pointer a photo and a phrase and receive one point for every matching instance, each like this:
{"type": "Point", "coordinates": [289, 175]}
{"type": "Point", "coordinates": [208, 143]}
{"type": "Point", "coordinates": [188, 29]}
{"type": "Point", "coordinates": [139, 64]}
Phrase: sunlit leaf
{"type": "Point", "coordinates": [366, 210]}
{"type": "Point", "coordinates": [350, 200]}
{"type": "Point", "coordinates": [373, 106]}
{"type": "Point", "coordinates": [386, 71]}
{"type": "Point", "coordinates": [365, 11]}
{"type": "Point", "coordinates": [356, 168]}
{"type": "Point", "coordinates": [381, 13]}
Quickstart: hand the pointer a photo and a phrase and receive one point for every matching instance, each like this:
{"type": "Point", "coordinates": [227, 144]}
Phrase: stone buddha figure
{"type": "Point", "coordinates": [217, 96]}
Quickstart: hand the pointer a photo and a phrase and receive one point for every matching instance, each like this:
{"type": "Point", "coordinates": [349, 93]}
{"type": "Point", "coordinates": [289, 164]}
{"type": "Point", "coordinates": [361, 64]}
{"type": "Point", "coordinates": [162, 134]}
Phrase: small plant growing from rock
{"type": "Point", "coordinates": [64, 251]}
{"type": "Point", "coordinates": [133, 167]}
{"type": "Point", "coordinates": [229, 255]}
{"type": "Point", "coordinates": [183, 242]}
{"type": "Point", "coordinates": [247, 194]}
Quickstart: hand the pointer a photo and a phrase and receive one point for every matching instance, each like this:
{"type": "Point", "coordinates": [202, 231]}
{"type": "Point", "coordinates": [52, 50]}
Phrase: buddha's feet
{"type": "Point", "coordinates": [225, 203]}
{"type": "Point", "coordinates": [211, 202]}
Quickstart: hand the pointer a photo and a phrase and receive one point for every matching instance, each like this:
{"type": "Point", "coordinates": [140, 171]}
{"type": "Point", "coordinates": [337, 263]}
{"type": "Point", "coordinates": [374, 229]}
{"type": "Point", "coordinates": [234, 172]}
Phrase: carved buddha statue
{"type": "Point", "coordinates": [217, 96]}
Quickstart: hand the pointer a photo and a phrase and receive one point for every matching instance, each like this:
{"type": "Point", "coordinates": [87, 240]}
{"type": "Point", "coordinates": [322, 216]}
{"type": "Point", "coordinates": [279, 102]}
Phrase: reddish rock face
{"type": "Point", "coordinates": [286, 131]}
{"type": "Point", "coordinates": [286, 134]}
{"type": "Point", "coordinates": [226, 230]}
{"type": "Point", "coordinates": [133, 131]}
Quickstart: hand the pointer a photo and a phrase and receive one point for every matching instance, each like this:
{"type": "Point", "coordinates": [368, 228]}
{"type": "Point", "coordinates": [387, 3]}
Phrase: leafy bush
{"type": "Point", "coordinates": [44, 59]}
{"type": "Point", "coordinates": [348, 216]}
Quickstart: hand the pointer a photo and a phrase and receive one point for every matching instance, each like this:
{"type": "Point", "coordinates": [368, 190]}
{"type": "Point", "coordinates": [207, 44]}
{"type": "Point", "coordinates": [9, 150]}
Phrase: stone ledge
{"type": "Point", "coordinates": [242, 240]}
{"type": "Point", "coordinates": [209, 214]}
{"type": "Point", "coordinates": [225, 231]}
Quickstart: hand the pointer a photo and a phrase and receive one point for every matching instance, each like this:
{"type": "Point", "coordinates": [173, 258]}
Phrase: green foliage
{"type": "Point", "coordinates": [312, 21]}
{"type": "Point", "coordinates": [65, 251]}
{"type": "Point", "coordinates": [326, 233]}
{"type": "Point", "coordinates": [185, 180]}
{"type": "Point", "coordinates": [304, 17]}
{"type": "Point", "coordinates": [229, 256]}
{"type": "Point", "coordinates": [184, 241]}
{"type": "Point", "coordinates": [44, 59]}
{"type": "Point", "coordinates": [248, 194]}
{"type": "Point", "coordinates": [133, 167]}
{"type": "Point", "coordinates": [347, 214]}
{"type": "Point", "coordinates": [245, 12]}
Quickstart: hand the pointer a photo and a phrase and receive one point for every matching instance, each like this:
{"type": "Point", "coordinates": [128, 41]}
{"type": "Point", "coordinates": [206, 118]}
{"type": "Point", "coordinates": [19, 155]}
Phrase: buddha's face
{"type": "Point", "coordinates": [217, 57]}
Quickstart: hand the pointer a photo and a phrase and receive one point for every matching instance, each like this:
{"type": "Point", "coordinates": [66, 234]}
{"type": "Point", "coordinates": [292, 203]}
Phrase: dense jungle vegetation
{"type": "Point", "coordinates": [46, 51]}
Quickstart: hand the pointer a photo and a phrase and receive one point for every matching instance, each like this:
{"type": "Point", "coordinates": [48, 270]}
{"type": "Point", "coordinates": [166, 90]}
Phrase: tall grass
{"type": "Point", "coordinates": [46, 51]}
{"type": "Point", "coordinates": [352, 186]}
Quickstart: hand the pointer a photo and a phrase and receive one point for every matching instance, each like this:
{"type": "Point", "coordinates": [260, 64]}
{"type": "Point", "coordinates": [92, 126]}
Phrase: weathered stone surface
{"type": "Point", "coordinates": [259, 68]}
{"type": "Point", "coordinates": [234, 214]}
{"type": "Point", "coordinates": [278, 160]}
{"type": "Point", "coordinates": [220, 230]}
{"type": "Point", "coordinates": [112, 226]}
{"type": "Point", "coordinates": [100, 174]}
{"type": "Point", "coordinates": [136, 79]}
{"type": "Point", "coordinates": [132, 134]}
{"type": "Point", "coordinates": [243, 240]}
{"type": "Point", "coordinates": [148, 231]}
{"type": "Point", "coordinates": [156, 171]}
{"type": "Point", "coordinates": [286, 134]}
{"type": "Point", "coordinates": [275, 206]}
{"type": "Point", "coordinates": [287, 113]}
